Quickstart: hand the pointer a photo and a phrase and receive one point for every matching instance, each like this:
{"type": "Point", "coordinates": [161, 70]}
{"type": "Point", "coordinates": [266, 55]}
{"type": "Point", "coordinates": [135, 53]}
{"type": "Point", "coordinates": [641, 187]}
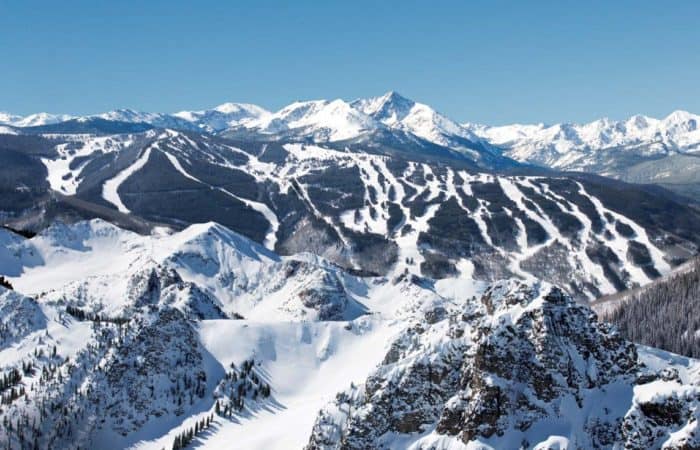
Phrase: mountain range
{"type": "Point", "coordinates": [366, 274]}
{"type": "Point", "coordinates": [640, 149]}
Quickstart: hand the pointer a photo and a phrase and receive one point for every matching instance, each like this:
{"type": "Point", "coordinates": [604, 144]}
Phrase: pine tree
{"type": "Point", "coordinates": [4, 282]}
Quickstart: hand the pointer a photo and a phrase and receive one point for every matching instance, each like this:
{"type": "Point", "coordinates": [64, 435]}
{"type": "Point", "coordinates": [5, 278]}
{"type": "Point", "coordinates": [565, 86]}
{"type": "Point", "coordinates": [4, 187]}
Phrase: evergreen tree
{"type": "Point", "coordinates": [4, 282]}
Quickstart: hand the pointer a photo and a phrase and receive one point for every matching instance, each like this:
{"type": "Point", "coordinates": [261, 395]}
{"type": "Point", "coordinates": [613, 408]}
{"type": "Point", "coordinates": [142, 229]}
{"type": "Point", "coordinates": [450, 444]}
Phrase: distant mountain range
{"type": "Point", "coordinates": [640, 149]}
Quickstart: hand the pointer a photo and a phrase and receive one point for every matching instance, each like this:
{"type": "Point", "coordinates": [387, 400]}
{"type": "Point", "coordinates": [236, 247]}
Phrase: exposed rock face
{"type": "Point", "coordinates": [164, 285]}
{"type": "Point", "coordinates": [662, 405]}
{"type": "Point", "coordinates": [19, 316]}
{"type": "Point", "coordinates": [519, 366]}
{"type": "Point", "coordinates": [313, 290]}
{"type": "Point", "coordinates": [156, 371]}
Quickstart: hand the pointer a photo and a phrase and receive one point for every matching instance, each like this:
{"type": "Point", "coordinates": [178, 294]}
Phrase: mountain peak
{"type": "Point", "coordinates": [639, 121]}
{"type": "Point", "coordinates": [41, 118]}
{"type": "Point", "coordinates": [678, 117]}
{"type": "Point", "coordinates": [394, 96]}
{"type": "Point", "coordinates": [9, 118]}
{"type": "Point", "coordinates": [390, 108]}
{"type": "Point", "coordinates": [240, 108]}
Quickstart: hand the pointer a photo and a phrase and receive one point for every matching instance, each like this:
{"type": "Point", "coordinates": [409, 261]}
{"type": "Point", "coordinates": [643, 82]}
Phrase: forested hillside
{"type": "Point", "coordinates": [665, 314]}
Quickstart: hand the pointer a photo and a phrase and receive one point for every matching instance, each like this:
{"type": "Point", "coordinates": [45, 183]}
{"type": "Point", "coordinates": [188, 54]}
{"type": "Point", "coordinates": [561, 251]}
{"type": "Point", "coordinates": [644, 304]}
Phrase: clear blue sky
{"type": "Point", "coordinates": [493, 62]}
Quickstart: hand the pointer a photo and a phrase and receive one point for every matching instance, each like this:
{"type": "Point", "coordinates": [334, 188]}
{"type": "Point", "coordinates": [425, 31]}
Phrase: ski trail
{"type": "Point", "coordinates": [111, 186]}
{"type": "Point", "coordinates": [271, 236]}
{"type": "Point", "coordinates": [574, 257]}
{"type": "Point", "coordinates": [656, 254]}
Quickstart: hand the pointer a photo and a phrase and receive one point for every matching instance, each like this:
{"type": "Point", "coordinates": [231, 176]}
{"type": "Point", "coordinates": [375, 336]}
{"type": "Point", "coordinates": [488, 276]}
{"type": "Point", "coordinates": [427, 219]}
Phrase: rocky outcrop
{"type": "Point", "coordinates": [521, 366]}
{"type": "Point", "coordinates": [19, 316]}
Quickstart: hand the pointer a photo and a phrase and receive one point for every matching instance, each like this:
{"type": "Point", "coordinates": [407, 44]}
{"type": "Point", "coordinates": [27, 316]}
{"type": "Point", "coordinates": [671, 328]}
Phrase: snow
{"type": "Point", "coordinates": [576, 146]}
{"type": "Point", "coordinates": [41, 119]}
{"type": "Point", "coordinates": [305, 360]}
{"type": "Point", "coordinates": [8, 118]}
{"type": "Point", "coordinates": [224, 116]}
{"type": "Point", "coordinates": [398, 112]}
{"type": "Point", "coordinates": [307, 365]}
{"type": "Point", "coordinates": [327, 120]}
{"type": "Point", "coordinates": [61, 176]}
{"type": "Point", "coordinates": [111, 186]}
{"type": "Point", "coordinates": [271, 217]}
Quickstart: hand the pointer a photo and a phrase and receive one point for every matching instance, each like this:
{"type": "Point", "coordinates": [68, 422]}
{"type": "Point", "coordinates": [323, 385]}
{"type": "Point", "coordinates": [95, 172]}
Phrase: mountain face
{"type": "Point", "coordinates": [506, 371]}
{"type": "Point", "coordinates": [363, 211]}
{"type": "Point", "coordinates": [397, 112]}
{"type": "Point", "coordinates": [640, 149]}
{"type": "Point", "coordinates": [122, 340]}
{"type": "Point", "coordinates": [390, 123]}
{"type": "Point", "coordinates": [127, 338]}
{"type": "Point", "coordinates": [224, 116]}
{"type": "Point", "coordinates": [331, 275]}
{"type": "Point", "coordinates": [32, 119]}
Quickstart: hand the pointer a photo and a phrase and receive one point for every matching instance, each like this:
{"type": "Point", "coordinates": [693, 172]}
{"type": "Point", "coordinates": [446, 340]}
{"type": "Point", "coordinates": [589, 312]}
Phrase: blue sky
{"type": "Point", "coordinates": [492, 62]}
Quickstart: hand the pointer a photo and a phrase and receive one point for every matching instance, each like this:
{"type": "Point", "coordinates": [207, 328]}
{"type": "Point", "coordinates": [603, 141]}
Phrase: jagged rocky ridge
{"type": "Point", "coordinates": [108, 350]}
{"type": "Point", "coordinates": [524, 366]}
{"type": "Point", "coordinates": [128, 340]}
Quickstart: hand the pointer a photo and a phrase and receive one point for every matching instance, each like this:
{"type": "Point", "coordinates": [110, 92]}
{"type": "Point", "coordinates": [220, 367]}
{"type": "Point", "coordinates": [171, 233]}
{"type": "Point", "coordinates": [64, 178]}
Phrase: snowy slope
{"type": "Point", "coordinates": [156, 119]}
{"type": "Point", "coordinates": [139, 338]}
{"type": "Point", "coordinates": [93, 272]}
{"type": "Point", "coordinates": [323, 120]}
{"type": "Point", "coordinates": [396, 111]}
{"type": "Point", "coordinates": [604, 146]}
{"type": "Point", "coordinates": [226, 115]}
{"type": "Point", "coordinates": [523, 367]}
{"type": "Point", "coordinates": [104, 270]}
{"type": "Point", "coordinates": [565, 231]}
{"type": "Point", "coordinates": [32, 119]}
{"type": "Point", "coordinates": [402, 121]}
{"type": "Point", "coordinates": [8, 118]}
{"type": "Point", "coordinates": [322, 289]}
{"type": "Point", "coordinates": [40, 119]}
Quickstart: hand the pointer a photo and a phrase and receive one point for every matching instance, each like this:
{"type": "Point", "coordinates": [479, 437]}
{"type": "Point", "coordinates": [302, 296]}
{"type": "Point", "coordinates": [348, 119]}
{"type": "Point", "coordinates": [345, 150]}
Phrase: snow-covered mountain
{"type": "Point", "coordinates": [322, 120]}
{"type": "Point", "coordinates": [639, 149]}
{"type": "Point", "coordinates": [523, 367]}
{"type": "Point", "coordinates": [224, 116]}
{"type": "Point", "coordinates": [332, 275]}
{"type": "Point", "coordinates": [8, 118]}
{"type": "Point", "coordinates": [138, 336]}
{"type": "Point", "coordinates": [396, 111]}
{"type": "Point", "coordinates": [120, 340]}
{"type": "Point", "coordinates": [369, 212]}
{"type": "Point", "coordinates": [389, 123]}
{"type": "Point", "coordinates": [678, 131]}
{"type": "Point", "coordinates": [155, 119]}
{"type": "Point", "coordinates": [32, 120]}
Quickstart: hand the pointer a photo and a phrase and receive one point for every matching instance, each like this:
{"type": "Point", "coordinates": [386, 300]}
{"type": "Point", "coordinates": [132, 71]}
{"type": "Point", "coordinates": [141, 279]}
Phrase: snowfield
{"type": "Point", "coordinates": [127, 315]}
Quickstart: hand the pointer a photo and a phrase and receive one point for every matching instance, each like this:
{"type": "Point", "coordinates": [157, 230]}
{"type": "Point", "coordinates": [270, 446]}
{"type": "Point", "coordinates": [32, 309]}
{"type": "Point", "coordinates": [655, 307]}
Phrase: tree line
{"type": "Point", "coordinates": [666, 314]}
